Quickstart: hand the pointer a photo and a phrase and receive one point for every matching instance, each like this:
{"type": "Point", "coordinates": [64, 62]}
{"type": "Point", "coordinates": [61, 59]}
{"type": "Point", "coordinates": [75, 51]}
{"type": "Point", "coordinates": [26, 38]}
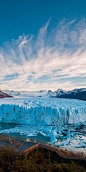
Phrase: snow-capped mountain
{"type": "Point", "coordinates": [22, 94]}
{"type": "Point", "coordinates": [74, 94]}
{"type": "Point", "coordinates": [51, 93]}
{"type": "Point", "coordinates": [12, 92]}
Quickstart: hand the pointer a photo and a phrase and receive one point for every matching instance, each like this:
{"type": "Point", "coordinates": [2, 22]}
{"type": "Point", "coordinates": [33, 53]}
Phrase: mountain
{"type": "Point", "coordinates": [51, 93]}
{"type": "Point", "coordinates": [4, 95]}
{"type": "Point", "coordinates": [74, 94]}
{"type": "Point", "coordinates": [12, 93]}
{"type": "Point", "coordinates": [22, 94]}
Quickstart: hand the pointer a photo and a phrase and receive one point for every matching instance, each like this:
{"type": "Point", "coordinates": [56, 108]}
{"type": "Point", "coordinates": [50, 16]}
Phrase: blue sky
{"type": "Point", "coordinates": [42, 44]}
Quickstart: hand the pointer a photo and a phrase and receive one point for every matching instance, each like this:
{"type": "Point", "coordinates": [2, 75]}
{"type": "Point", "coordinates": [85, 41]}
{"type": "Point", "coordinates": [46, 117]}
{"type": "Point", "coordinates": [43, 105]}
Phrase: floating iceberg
{"type": "Point", "coordinates": [65, 142]}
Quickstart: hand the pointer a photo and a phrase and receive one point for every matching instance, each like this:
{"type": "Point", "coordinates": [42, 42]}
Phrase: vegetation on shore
{"type": "Point", "coordinates": [40, 160]}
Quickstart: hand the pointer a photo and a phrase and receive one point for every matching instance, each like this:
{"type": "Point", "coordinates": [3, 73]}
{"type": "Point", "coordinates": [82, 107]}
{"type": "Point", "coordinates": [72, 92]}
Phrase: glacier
{"type": "Point", "coordinates": [50, 117]}
{"type": "Point", "coordinates": [42, 111]}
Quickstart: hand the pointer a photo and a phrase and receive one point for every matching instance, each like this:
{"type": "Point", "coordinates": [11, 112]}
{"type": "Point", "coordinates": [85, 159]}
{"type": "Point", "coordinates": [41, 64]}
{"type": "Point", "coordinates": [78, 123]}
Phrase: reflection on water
{"type": "Point", "coordinates": [39, 137]}
{"type": "Point", "coordinates": [4, 125]}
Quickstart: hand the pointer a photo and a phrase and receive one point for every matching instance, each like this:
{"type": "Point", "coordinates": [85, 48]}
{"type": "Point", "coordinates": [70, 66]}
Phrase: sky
{"type": "Point", "coordinates": [42, 44]}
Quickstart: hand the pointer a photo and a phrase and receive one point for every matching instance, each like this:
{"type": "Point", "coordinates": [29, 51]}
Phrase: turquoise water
{"type": "Point", "coordinates": [32, 133]}
{"type": "Point", "coordinates": [7, 126]}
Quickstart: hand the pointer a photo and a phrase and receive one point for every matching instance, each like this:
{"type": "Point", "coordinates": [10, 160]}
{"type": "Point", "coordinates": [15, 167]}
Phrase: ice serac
{"type": "Point", "coordinates": [42, 112]}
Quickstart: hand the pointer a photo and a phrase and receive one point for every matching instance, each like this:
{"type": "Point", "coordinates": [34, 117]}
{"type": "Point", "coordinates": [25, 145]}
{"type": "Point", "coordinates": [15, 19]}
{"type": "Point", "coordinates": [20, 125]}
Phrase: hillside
{"type": "Point", "coordinates": [74, 94]}
{"type": "Point", "coordinates": [4, 95]}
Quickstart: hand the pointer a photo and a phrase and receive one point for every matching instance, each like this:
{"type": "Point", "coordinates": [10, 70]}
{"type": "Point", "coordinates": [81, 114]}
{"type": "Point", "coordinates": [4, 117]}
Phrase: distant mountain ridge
{"type": "Point", "coordinates": [60, 93]}
{"type": "Point", "coordinates": [74, 94]}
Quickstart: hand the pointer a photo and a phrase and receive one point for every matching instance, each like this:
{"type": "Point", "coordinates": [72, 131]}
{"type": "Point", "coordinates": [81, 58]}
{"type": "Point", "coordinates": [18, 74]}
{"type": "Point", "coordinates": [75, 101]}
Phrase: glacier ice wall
{"type": "Point", "coordinates": [44, 112]}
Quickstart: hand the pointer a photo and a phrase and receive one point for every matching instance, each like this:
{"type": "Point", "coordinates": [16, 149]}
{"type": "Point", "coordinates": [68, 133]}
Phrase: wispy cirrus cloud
{"type": "Point", "coordinates": [48, 61]}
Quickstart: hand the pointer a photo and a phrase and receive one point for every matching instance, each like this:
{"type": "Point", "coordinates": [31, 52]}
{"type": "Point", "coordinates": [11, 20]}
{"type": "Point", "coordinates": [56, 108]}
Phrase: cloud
{"type": "Point", "coordinates": [48, 61]}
